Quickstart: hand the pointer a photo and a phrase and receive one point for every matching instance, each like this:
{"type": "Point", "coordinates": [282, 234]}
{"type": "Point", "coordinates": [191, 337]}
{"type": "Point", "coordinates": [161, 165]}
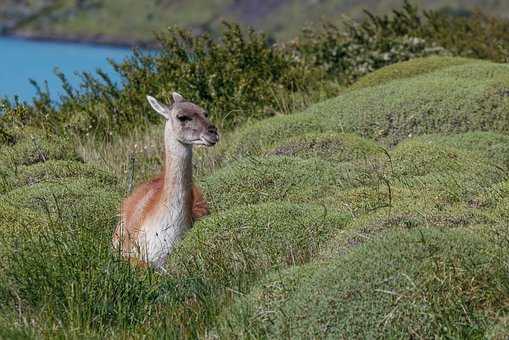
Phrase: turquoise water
{"type": "Point", "coordinates": [21, 60]}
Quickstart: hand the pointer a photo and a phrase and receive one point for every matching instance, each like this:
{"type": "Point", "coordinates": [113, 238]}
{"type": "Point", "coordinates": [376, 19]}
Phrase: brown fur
{"type": "Point", "coordinates": [133, 215]}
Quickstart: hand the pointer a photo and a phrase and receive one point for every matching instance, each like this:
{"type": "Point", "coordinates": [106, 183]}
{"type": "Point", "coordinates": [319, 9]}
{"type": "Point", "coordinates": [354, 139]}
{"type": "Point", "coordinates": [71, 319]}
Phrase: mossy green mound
{"type": "Point", "coordinates": [425, 282]}
{"type": "Point", "coordinates": [454, 99]}
{"type": "Point", "coordinates": [408, 69]}
{"type": "Point", "coordinates": [54, 171]}
{"type": "Point", "coordinates": [493, 146]}
{"type": "Point", "coordinates": [253, 239]}
{"type": "Point", "coordinates": [31, 147]}
{"type": "Point", "coordinates": [75, 201]}
{"type": "Point", "coordinates": [330, 146]}
{"type": "Point", "coordinates": [443, 173]}
{"type": "Point", "coordinates": [279, 178]}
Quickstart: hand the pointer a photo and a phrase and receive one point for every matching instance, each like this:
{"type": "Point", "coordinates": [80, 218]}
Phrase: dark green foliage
{"type": "Point", "coordinates": [358, 49]}
{"type": "Point", "coordinates": [453, 281]}
{"type": "Point", "coordinates": [235, 78]}
{"type": "Point", "coordinates": [241, 76]}
{"type": "Point", "coordinates": [476, 35]}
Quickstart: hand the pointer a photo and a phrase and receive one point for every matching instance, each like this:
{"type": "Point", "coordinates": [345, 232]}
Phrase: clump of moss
{"type": "Point", "coordinates": [453, 99]}
{"type": "Point", "coordinates": [330, 146]}
{"type": "Point", "coordinates": [376, 290]}
{"type": "Point", "coordinates": [54, 171]}
{"type": "Point", "coordinates": [252, 239]}
{"type": "Point", "coordinates": [74, 201]}
{"type": "Point", "coordinates": [493, 146]}
{"type": "Point", "coordinates": [31, 147]}
{"type": "Point", "coordinates": [417, 158]}
{"type": "Point", "coordinates": [277, 178]}
{"type": "Point", "coordinates": [408, 69]}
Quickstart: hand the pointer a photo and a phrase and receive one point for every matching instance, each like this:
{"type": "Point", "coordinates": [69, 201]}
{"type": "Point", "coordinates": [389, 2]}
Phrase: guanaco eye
{"type": "Point", "coordinates": [206, 114]}
{"type": "Point", "coordinates": [183, 118]}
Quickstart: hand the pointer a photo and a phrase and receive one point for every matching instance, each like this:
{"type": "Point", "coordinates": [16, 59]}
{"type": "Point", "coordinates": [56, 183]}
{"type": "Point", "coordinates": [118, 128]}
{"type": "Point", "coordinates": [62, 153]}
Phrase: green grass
{"type": "Point", "coordinates": [379, 213]}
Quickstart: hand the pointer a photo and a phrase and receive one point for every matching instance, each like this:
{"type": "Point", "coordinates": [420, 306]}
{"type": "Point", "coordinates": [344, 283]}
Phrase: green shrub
{"type": "Point", "coordinates": [408, 69]}
{"type": "Point", "coordinates": [69, 201]}
{"type": "Point", "coordinates": [235, 77]}
{"type": "Point", "coordinates": [277, 178]}
{"type": "Point", "coordinates": [360, 48]}
{"type": "Point", "coordinates": [251, 239]}
{"type": "Point", "coordinates": [330, 146]}
{"type": "Point", "coordinates": [455, 99]}
{"type": "Point", "coordinates": [54, 171]}
{"type": "Point", "coordinates": [453, 280]}
{"type": "Point", "coordinates": [476, 35]}
{"type": "Point", "coordinates": [30, 146]}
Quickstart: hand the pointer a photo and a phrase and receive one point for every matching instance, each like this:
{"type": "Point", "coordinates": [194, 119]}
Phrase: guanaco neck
{"type": "Point", "coordinates": [178, 179]}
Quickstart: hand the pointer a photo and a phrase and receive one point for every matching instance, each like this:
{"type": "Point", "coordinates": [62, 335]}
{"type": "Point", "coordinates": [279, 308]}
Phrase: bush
{"type": "Point", "coordinates": [54, 171]}
{"type": "Point", "coordinates": [359, 48]}
{"type": "Point", "coordinates": [455, 99]}
{"type": "Point", "coordinates": [452, 279]}
{"type": "Point", "coordinates": [235, 77]}
{"type": "Point", "coordinates": [241, 76]}
{"type": "Point", "coordinates": [277, 178]}
{"type": "Point", "coordinates": [226, 253]}
{"type": "Point", "coordinates": [69, 201]}
{"type": "Point", "coordinates": [30, 146]}
{"type": "Point", "coordinates": [408, 69]}
{"type": "Point", "coordinates": [252, 239]}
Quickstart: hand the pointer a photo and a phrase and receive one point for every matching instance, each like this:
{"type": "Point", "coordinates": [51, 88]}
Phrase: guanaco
{"type": "Point", "coordinates": [159, 212]}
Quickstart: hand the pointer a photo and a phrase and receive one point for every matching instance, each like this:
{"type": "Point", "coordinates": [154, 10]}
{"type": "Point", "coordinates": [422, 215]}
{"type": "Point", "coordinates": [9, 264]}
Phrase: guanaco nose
{"type": "Point", "coordinates": [212, 129]}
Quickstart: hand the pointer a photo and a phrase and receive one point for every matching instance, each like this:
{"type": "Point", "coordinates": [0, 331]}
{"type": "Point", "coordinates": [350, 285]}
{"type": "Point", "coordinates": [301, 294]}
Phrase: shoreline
{"type": "Point", "coordinates": [99, 41]}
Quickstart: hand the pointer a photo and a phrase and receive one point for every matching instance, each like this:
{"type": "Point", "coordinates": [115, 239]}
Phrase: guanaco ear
{"type": "Point", "coordinates": [160, 108]}
{"type": "Point", "coordinates": [177, 97]}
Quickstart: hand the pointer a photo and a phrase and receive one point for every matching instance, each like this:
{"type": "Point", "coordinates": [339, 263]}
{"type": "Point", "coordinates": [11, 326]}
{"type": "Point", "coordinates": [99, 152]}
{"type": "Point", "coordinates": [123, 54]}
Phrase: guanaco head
{"type": "Point", "coordinates": [186, 122]}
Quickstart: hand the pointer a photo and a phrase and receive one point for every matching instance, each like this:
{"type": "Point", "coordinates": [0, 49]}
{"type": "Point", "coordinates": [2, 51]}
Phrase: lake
{"type": "Point", "coordinates": [21, 60]}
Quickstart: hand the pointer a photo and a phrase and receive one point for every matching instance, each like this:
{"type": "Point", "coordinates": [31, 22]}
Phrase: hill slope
{"type": "Point", "coordinates": [379, 213]}
{"type": "Point", "coordinates": [131, 21]}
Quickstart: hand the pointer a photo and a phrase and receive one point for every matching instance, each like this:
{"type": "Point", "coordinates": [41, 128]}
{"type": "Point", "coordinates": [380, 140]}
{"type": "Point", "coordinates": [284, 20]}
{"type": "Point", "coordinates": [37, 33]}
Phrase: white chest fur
{"type": "Point", "coordinates": [167, 225]}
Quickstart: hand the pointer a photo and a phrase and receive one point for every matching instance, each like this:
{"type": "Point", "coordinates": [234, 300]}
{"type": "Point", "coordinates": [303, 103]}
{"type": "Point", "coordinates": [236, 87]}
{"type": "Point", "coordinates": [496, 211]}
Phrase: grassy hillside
{"type": "Point", "coordinates": [382, 212]}
{"type": "Point", "coordinates": [131, 21]}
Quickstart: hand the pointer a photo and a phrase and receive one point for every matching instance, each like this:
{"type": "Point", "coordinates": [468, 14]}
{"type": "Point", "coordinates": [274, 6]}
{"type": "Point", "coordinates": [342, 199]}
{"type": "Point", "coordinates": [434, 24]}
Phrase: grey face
{"type": "Point", "coordinates": [187, 122]}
